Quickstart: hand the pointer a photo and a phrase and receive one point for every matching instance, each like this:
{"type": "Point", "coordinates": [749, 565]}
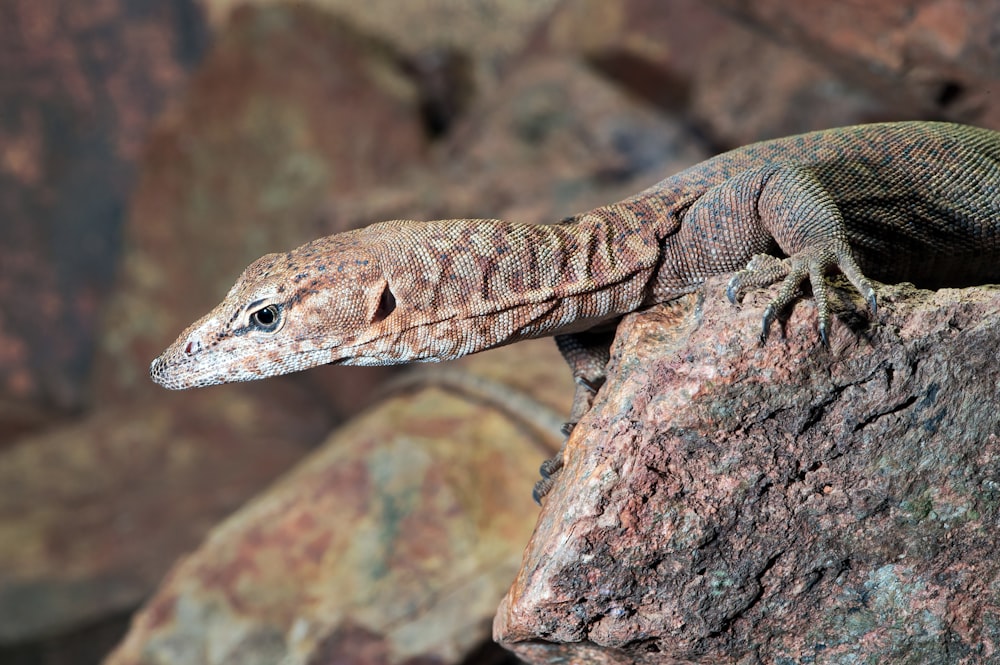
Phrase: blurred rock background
{"type": "Point", "coordinates": [150, 149]}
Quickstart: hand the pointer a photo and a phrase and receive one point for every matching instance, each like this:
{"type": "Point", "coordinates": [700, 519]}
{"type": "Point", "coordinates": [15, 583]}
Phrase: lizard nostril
{"type": "Point", "coordinates": [191, 347]}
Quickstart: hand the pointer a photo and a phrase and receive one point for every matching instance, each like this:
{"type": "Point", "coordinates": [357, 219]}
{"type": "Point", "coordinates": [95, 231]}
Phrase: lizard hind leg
{"type": "Point", "coordinates": [587, 354]}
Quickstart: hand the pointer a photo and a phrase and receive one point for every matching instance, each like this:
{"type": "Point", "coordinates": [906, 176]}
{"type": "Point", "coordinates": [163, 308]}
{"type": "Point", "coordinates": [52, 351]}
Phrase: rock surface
{"type": "Point", "coordinates": [728, 502]}
{"type": "Point", "coordinates": [733, 84]}
{"type": "Point", "coordinates": [392, 543]}
{"type": "Point", "coordinates": [92, 514]}
{"type": "Point", "coordinates": [934, 57]}
{"type": "Point", "coordinates": [78, 92]}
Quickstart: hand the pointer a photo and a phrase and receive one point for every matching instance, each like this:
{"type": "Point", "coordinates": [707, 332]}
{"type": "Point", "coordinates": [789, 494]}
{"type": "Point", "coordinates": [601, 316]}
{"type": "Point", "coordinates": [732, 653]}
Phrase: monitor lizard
{"type": "Point", "coordinates": [914, 201]}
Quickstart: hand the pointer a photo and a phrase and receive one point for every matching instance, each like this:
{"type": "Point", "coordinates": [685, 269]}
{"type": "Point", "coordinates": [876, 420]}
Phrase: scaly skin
{"type": "Point", "coordinates": [914, 201]}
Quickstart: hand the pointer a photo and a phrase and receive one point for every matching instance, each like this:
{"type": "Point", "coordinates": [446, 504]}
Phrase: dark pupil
{"type": "Point", "coordinates": [266, 316]}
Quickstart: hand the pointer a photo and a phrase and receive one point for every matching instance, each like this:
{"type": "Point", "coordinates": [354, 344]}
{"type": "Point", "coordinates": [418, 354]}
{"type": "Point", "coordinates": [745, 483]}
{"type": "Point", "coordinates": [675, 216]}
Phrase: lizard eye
{"type": "Point", "coordinates": [266, 319]}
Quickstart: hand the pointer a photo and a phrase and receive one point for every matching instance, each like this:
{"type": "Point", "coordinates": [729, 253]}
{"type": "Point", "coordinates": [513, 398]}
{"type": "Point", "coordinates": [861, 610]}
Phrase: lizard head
{"type": "Point", "coordinates": [393, 292]}
{"type": "Point", "coordinates": [287, 312]}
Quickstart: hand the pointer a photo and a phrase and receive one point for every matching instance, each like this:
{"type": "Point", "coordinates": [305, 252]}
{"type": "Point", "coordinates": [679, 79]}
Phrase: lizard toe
{"type": "Point", "coordinates": [791, 288]}
{"type": "Point", "coordinates": [551, 466]}
{"type": "Point", "coordinates": [762, 270]}
{"type": "Point", "coordinates": [813, 264]}
{"type": "Point", "coordinates": [541, 489]}
{"type": "Point", "coordinates": [849, 267]}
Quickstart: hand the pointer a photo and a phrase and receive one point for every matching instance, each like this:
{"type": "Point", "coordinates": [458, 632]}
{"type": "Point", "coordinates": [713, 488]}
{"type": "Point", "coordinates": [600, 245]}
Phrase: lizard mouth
{"type": "Point", "coordinates": [159, 372]}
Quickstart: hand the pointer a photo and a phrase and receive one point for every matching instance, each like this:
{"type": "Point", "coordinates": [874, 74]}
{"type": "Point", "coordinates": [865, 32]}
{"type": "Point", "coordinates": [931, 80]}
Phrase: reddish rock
{"type": "Point", "coordinates": [79, 88]}
{"type": "Point", "coordinates": [732, 83]}
{"type": "Point", "coordinates": [392, 543]}
{"type": "Point", "coordinates": [731, 502]}
{"type": "Point", "coordinates": [555, 140]}
{"type": "Point", "coordinates": [935, 57]}
{"type": "Point", "coordinates": [485, 34]}
{"type": "Point", "coordinates": [289, 108]}
{"type": "Point", "coordinates": [93, 514]}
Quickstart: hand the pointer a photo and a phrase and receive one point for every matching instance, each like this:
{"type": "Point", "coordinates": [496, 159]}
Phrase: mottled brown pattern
{"type": "Point", "coordinates": [736, 505]}
{"type": "Point", "coordinates": [80, 86]}
{"type": "Point", "coordinates": [915, 201]}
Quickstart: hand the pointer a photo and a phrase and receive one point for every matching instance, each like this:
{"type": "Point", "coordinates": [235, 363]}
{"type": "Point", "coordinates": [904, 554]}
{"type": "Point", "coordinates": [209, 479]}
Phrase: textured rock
{"type": "Point", "coordinates": [93, 514]}
{"type": "Point", "coordinates": [454, 50]}
{"type": "Point", "coordinates": [265, 135]}
{"type": "Point", "coordinates": [392, 543]}
{"type": "Point", "coordinates": [558, 134]}
{"type": "Point", "coordinates": [935, 57]}
{"type": "Point", "coordinates": [493, 28]}
{"type": "Point", "coordinates": [734, 84]}
{"type": "Point", "coordinates": [78, 91]}
{"type": "Point", "coordinates": [728, 502]}
{"type": "Point", "coordinates": [488, 32]}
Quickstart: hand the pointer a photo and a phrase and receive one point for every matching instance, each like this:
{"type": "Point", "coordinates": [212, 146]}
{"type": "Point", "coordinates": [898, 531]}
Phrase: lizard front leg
{"type": "Point", "coordinates": [803, 219]}
{"type": "Point", "coordinates": [587, 354]}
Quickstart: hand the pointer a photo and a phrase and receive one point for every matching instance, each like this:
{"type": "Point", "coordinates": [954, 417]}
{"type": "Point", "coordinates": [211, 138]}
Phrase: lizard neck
{"type": "Point", "coordinates": [467, 285]}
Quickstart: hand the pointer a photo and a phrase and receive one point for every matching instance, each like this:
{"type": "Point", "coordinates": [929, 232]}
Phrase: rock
{"type": "Point", "coordinates": [391, 543]}
{"type": "Point", "coordinates": [558, 134]}
{"type": "Point", "coordinates": [433, 37]}
{"type": "Point", "coordinates": [733, 84]}
{"type": "Point", "coordinates": [556, 139]}
{"type": "Point", "coordinates": [494, 30]}
{"type": "Point", "coordinates": [92, 514]}
{"type": "Point", "coordinates": [937, 58]}
{"type": "Point", "coordinates": [242, 168]}
{"type": "Point", "coordinates": [79, 91]}
{"type": "Point", "coordinates": [731, 502]}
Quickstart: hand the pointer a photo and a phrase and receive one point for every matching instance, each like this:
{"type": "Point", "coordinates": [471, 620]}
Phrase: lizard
{"type": "Point", "coordinates": [914, 201]}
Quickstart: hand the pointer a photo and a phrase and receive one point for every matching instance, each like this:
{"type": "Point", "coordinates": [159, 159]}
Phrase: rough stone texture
{"type": "Point", "coordinates": [734, 85]}
{"type": "Point", "coordinates": [559, 135]}
{"type": "Point", "coordinates": [935, 57]}
{"type": "Point", "coordinates": [242, 167]}
{"type": "Point", "coordinates": [490, 32]}
{"type": "Point", "coordinates": [79, 88]}
{"type": "Point", "coordinates": [93, 514]}
{"type": "Point", "coordinates": [556, 139]}
{"type": "Point", "coordinates": [727, 502]}
{"type": "Point", "coordinates": [455, 50]}
{"type": "Point", "coordinates": [392, 543]}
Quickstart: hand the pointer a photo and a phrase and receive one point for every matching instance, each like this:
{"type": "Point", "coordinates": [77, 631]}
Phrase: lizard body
{"type": "Point", "coordinates": [914, 201]}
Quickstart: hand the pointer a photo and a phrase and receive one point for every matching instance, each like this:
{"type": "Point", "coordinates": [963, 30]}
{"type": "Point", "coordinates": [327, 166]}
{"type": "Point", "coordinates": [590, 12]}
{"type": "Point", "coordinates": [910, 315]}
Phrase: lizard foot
{"type": "Point", "coordinates": [550, 468]}
{"type": "Point", "coordinates": [542, 487]}
{"type": "Point", "coordinates": [812, 264]}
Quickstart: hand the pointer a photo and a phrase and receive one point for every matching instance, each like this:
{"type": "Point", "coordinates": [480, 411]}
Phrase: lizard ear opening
{"type": "Point", "coordinates": [386, 305]}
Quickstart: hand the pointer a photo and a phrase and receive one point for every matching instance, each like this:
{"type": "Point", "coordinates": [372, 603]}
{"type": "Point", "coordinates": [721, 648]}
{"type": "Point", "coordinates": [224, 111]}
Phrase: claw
{"type": "Point", "coordinates": [872, 302]}
{"type": "Point", "coordinates": [731, 291]}
{"type": "Point", "coordinates": [766, 323]}
{"type": "Point", "coordinates": [824, 334]}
